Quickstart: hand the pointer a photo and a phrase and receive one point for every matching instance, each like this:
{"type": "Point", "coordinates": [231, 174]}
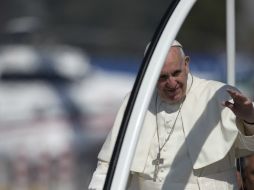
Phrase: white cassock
{"type": "Point", "coordinates": [199, 154]}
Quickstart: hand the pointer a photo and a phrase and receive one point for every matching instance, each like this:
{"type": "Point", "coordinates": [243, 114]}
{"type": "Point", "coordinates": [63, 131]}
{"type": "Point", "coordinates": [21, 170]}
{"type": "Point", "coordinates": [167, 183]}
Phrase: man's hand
{"type": "Point", "coordinates": [242, 106]}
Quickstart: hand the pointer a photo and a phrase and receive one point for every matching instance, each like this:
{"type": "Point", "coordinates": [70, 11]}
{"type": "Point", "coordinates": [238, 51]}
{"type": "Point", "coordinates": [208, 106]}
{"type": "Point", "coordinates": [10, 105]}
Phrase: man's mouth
{"type": "Point", "coordinates": [172, 90]}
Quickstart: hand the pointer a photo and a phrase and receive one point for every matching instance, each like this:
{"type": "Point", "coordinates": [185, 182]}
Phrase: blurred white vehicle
{"type": "Point", "coordinates": [53, 103]}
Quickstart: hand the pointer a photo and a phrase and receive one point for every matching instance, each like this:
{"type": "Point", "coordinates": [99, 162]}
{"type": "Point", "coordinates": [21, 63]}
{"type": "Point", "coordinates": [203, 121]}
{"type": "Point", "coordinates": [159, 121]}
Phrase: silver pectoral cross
{"type": "Point", "coordinates": [156, 162]}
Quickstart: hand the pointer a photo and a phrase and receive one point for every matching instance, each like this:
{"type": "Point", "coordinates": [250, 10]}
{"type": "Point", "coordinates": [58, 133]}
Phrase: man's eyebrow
{"type": "Point", "coordinates": [164, 73]}
{"type": "Point", "coordinates": [167, 73]}
{"type": "Point", "coordinates": [177, 70]}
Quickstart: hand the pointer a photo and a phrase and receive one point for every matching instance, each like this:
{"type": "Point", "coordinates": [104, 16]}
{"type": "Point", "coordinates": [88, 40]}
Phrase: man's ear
{"type": "Point", "coordinates": [186, 63]}
{"type": "Point", "coordinates": [187, 60]}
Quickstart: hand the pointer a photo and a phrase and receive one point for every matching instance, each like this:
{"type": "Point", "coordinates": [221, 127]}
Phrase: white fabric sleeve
{"type": "Point", "coordinates": [99, 176]}
{"type": "Point", "coordinates": [108, 146]}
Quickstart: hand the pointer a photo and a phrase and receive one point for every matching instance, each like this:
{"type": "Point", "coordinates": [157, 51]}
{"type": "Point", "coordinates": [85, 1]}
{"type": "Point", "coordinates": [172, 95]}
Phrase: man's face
{"type": "Point", "coordinates": [172, 82]}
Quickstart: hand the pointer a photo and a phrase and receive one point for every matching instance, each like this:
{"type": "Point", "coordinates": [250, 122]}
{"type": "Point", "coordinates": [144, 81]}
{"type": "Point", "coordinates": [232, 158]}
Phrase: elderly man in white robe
{"type": "Point", "coordinates": [192, 133]}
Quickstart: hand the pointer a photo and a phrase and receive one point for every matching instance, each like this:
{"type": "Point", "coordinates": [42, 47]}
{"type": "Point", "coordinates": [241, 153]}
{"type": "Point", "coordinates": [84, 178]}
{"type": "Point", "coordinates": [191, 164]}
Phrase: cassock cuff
{"type": "Point", "coordinates": [249, 127]}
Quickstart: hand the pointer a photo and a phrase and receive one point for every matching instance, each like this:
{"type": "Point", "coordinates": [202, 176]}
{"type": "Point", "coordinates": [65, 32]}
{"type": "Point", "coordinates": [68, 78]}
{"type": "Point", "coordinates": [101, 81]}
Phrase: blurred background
{"type": "Point", "coordinates": [65, 67]}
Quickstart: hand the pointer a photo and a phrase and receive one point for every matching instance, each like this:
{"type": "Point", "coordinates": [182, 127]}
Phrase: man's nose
{"type": "Point", "coordinates": [171, 82]}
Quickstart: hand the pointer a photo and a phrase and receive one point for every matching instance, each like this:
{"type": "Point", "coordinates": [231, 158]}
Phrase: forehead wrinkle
{"type": "Point", "coordinates": [177, 52]}
{"type": "Point", "coordinates": [174, 58]}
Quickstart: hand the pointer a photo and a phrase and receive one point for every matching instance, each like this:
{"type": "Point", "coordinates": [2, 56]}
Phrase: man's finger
{"type": "Point", "coordinates": [228, 104]}
{"type": "Point", "coordinates": [237, 97]}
